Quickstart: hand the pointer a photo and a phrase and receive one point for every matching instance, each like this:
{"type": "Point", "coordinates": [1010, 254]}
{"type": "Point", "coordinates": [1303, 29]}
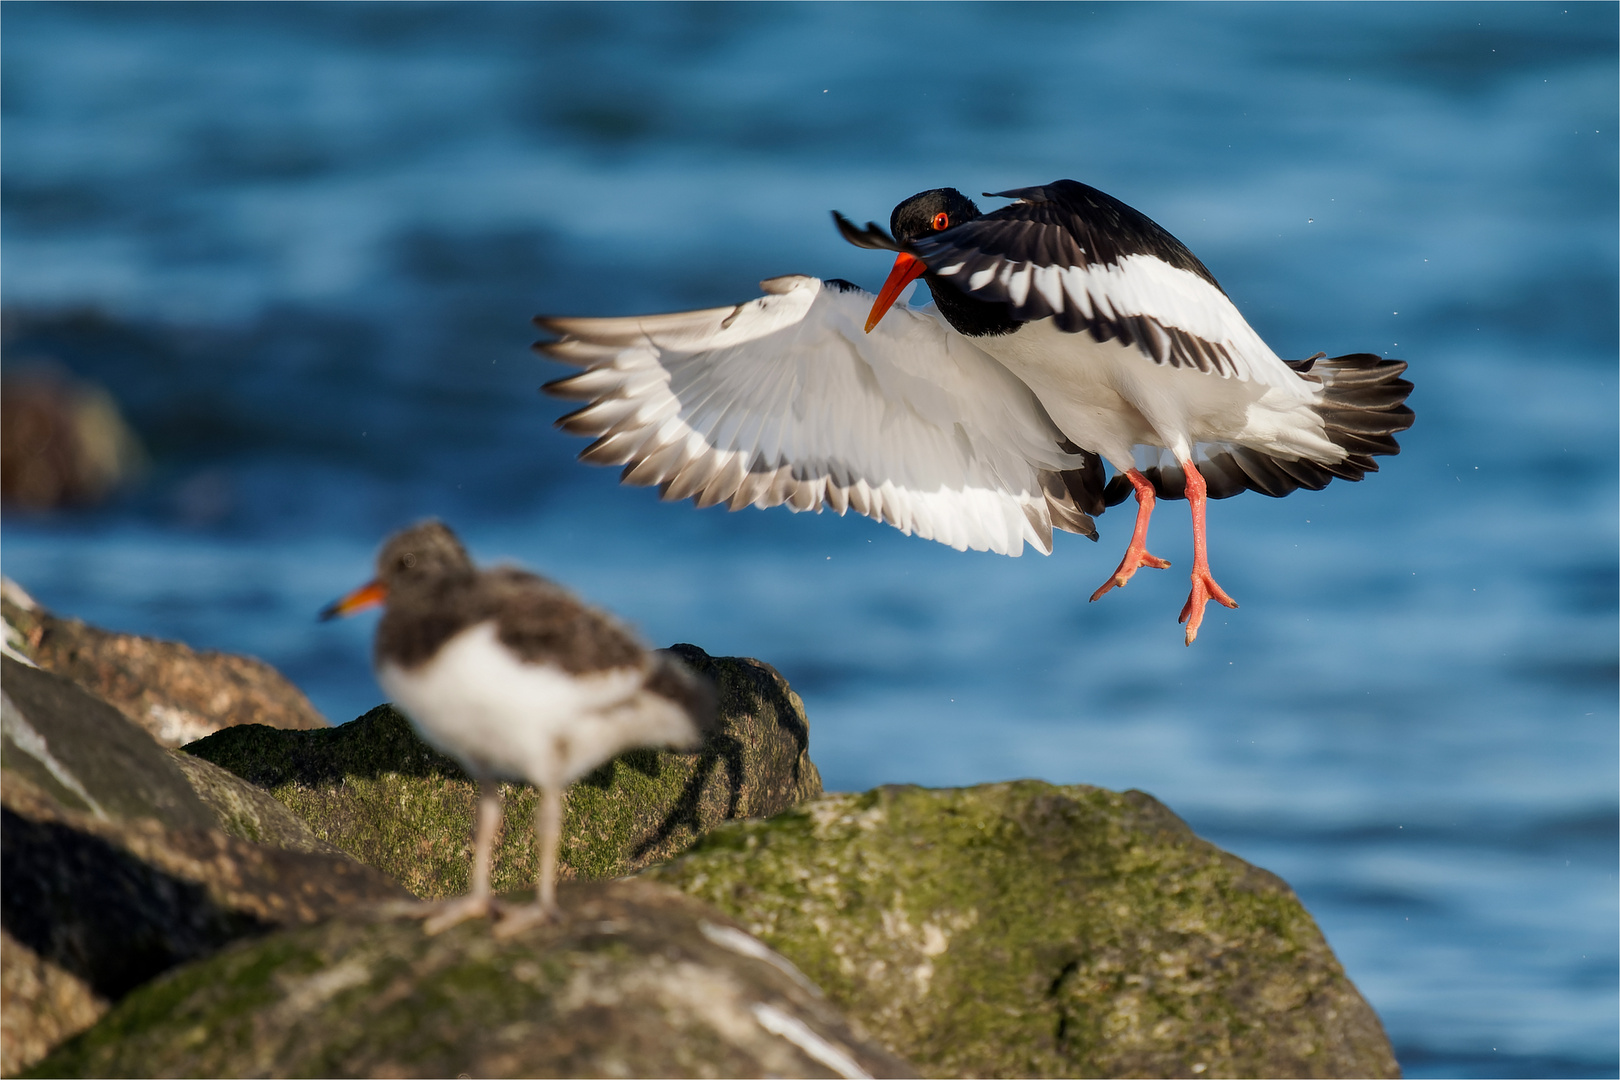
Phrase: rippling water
{"type": "Point", "coordinates": [301, 244]}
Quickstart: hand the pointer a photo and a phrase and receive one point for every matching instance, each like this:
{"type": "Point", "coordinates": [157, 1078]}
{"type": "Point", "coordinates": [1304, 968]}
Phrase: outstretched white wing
{"type": "Point", "coordinates": [784, 400]}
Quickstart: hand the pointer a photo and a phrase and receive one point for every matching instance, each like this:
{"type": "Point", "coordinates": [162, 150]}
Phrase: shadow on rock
{"type": "Point", "coordinates": [373, 789]}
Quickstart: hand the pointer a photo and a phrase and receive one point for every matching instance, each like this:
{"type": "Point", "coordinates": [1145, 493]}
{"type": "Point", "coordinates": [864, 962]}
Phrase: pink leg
{"type": "Point", "coordinates": [547, 830]}
{"type": "Point", "coordinates": [1204, 588]}
{"type": "Point", "coordinates": [1136, 555]}
{"type": "Point", "coordinates": [477, 903]}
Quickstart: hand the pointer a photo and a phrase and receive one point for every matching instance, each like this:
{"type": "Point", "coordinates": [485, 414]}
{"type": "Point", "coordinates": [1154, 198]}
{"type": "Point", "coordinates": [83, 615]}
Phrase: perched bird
{"type": "Point", "coordinates": [1066, 327]}
{"type": "Point", "coordinates": [515, 678]}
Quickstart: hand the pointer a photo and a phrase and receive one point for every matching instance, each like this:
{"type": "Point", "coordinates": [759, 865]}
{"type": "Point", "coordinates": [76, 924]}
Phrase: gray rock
{"type": "Point", "coordinates": [114, 868]}
{"type": "Point", "coordinates": [87, 755]}
{"type": "Point", "coordinates": [115, 903]}
{"type": "Point", "coordinates": [1023, 929]}
{"type": "Point", "coordinates": [40, 1005]}
{"type": "Point", "coordinates": [372, 788]}
{"type": "Point", "coordinates": [245, 811]}
{"type": "Point", "coordinates": [634, 980]}
{"type": "Point", "coordinates": [175, 693]}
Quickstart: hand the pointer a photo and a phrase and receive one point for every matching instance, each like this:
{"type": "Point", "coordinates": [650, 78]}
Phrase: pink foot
{"type": "Point", "coordinates": [1135, 558]}
{"type": "Point", "coordinates": [514, 921]}
{"type": "Point", "coordinates": [442, 917]}
{"type": "Point", "coordinates": [1204, 590]}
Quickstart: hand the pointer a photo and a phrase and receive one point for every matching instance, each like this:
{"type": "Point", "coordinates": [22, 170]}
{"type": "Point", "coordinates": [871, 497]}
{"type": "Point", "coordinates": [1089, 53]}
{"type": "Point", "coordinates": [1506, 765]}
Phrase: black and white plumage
{"type": "Point", "coordinates": [516, 679]}
{"type": "Point", "coordinates": [1065, 327]}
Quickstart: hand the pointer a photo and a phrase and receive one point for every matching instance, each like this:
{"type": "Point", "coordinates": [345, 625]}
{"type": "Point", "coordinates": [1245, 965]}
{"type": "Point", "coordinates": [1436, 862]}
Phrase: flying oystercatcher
{"type": "Point", "coordinates": [1065, 328]}
{"type": "Point", "coordinates": [515, 678]}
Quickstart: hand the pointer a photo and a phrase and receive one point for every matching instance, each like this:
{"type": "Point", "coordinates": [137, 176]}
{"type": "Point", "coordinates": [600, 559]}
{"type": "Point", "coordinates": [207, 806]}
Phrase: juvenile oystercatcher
{"type": "Point", "coordinates": [516, 679]}
{"type": "Point", "coordinates": [1065, 328]}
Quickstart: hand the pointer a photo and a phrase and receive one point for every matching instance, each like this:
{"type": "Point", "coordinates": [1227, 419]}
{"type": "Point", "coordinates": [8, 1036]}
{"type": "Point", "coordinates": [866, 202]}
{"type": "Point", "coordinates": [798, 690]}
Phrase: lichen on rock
{"type": "Point", "coordinates": [1023, 929]}
{"type": "Point", "coordinates": [372, 788]}
{"type": "Point", "coordinates": [635, 979]}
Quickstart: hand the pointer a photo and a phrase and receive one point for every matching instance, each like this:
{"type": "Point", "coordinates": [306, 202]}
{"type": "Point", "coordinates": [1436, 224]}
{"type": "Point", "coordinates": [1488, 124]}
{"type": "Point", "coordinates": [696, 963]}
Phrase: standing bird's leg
{"type": "Point", "coordinates": [1204, 588]}
{"type": "Point", "coordinates": [476, 903]}
{"type": "Point", "coordinates": [547, 831]}
{"type": "Point", "coordinates": [1136, 555]}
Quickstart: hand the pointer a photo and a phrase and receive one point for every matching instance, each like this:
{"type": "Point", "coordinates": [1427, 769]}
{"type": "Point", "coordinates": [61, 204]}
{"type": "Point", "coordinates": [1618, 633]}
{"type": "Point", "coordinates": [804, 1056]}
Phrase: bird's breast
{"type": "Point", "coordinates": [476, 701]}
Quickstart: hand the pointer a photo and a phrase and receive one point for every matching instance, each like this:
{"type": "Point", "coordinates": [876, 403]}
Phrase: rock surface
{"type": "Point", "coordinates": [245, 811]}
{"type": "Point", "coordinates": [1023, 929]}
{"type": "Point", "coordinates": [63, 441]}
{"type": "Point", "coordinates": [174, 692]}
{"type": "Point", "coordinates": [115, 868]}
{"type": "Point", "coordinates": [372, 788]}
{"type": "Point", "coordinates": [40, 1005]}
{"type": "Point", "coordinates": [635, 980]}
{"type": "Point", "coordinates": [87, 756]}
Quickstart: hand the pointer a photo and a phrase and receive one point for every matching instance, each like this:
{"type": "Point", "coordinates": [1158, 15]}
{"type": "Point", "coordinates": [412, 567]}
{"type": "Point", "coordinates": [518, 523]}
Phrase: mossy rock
{"type": "Point", "coordinates": [1022, 929]}
{"type": "Point", "coordinates": [636, 979]}
{"type": "Point", "coordinates": [122, 859]}
{"type": "Point", "coordinates": [374, 789]}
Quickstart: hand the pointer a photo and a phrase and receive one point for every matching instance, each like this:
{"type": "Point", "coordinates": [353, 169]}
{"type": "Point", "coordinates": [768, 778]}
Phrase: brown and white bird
{"type": "Point", "coordinates": [1065, 327]}
{"type": "Point", "coordinates": [516, 679]}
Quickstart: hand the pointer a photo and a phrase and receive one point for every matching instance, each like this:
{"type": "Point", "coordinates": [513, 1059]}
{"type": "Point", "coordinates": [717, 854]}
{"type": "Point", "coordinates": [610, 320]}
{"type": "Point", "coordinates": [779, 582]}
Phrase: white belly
{"type": "Point", "coordinates": [1112, 399]}
{"type": "Point", "coordinates": [501, 718]}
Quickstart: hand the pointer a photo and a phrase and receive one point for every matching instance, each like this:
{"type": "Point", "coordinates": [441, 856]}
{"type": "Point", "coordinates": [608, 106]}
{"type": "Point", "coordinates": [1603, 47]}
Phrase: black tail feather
{"type": "Point", "coordinates": [1363, 409]}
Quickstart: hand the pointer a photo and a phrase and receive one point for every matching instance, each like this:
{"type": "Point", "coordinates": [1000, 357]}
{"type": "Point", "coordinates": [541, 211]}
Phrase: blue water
{"type": "Point", "coordinates": [302, 243]}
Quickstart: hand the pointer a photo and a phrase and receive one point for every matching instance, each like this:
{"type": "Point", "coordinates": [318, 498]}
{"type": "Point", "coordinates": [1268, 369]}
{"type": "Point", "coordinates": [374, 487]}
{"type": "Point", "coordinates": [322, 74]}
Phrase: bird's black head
{"type": "Point", "coordinates": [924, 214]}
{"type": "Point", "coordinates": [425, 552]}
{"type": "Point", "coordinates": [931, 212]}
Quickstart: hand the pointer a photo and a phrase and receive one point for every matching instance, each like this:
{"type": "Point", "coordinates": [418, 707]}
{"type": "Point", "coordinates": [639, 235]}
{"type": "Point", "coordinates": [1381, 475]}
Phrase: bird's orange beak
{"type": "Point", "coordinates": [907, 268]}
{"type": "Point", "coordinates": [368, 595]}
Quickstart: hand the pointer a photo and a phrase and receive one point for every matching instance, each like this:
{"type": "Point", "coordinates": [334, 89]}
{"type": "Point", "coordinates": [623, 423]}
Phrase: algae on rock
{"type": "Point", "coordinates": [1023, 929]}
{"type": "Point", "coordinates": [635, 979]}
{"type": "Point", "coordinates": [372, 788]}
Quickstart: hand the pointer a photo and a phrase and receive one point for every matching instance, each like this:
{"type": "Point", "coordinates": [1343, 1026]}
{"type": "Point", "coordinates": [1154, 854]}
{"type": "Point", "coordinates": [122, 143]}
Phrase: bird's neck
{"type": "Point", "coordinates": [422, 615]}
{"type": "Point", "coordinates": [970, 317]}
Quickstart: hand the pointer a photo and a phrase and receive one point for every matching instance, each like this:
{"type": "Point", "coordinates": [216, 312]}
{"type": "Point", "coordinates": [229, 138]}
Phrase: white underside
{"type": "Point", "coordinates": [501, 718]}
{"type": "Point", "coordinates": [1112, 399]}
{"type": "Point", "coordinates": [912, 423]}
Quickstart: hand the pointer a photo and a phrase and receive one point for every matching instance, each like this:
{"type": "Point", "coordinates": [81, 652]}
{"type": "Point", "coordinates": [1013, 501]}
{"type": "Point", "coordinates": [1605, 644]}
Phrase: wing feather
{"type": "Point", "coordinates": [784, 400]}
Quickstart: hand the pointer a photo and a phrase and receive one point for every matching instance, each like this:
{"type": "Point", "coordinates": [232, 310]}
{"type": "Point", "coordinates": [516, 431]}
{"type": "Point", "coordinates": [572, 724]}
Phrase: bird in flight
{"type": "Point", "coordinates": [1066, 330]}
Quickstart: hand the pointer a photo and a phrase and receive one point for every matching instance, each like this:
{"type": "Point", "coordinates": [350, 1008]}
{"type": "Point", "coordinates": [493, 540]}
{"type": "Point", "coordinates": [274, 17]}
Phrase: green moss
{"type": "Point", "coordinates": [625, 983]}
{"type": "Point", "coordinates": [373, 789]}
{"type": "Point", "coordinates": [1029, 930]}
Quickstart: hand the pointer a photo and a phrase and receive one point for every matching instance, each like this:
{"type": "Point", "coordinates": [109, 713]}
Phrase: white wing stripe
{"type": "Point", "coordinates": [910, 425]}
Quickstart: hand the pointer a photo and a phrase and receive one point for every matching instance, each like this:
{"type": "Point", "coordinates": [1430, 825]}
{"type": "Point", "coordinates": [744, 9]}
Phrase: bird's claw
{"type": "Point", "coordinates": [441, 917]}
{"type": "Point", "coordinates": [1133, 561]}
{"type": "Point", "coordinates": [1204, 590]}
{"type": "Point", "coordinates": [514, 921]}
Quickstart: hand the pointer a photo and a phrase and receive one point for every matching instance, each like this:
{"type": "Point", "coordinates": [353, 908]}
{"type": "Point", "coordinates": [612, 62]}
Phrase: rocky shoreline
{"type": "Point", "coordinates": [241, 906]}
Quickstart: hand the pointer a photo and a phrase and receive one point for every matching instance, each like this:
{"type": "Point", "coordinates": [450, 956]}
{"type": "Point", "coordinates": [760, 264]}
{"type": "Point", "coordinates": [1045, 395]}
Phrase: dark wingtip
{"type": "Point", "coordinates": [871, 237]}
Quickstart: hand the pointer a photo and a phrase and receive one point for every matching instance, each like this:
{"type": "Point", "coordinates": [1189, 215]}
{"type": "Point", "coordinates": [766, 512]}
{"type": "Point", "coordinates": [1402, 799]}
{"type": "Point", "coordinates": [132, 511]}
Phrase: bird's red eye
{"type": "Point", "coordinates": [942, 220]}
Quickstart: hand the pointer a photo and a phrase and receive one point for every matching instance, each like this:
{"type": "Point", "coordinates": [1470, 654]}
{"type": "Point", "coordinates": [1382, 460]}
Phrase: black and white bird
{"type": "Point", "coordinates": [516, 679]}
{"type": "Point", "coordinates": [1066, 329]}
